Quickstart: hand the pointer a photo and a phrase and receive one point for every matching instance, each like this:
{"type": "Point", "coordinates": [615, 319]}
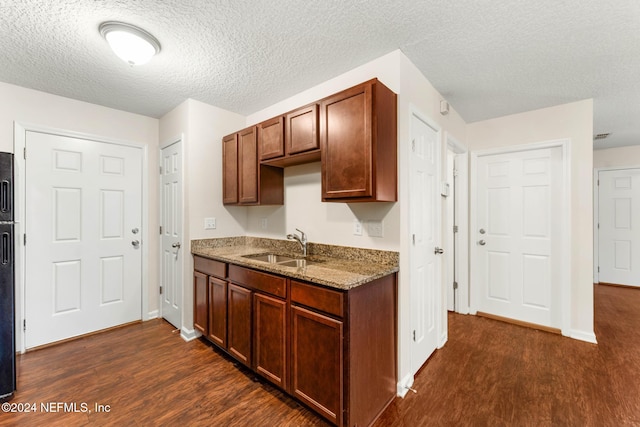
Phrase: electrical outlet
{"type": "Point", "coordinates": [357, 227]}
{"type": "Point", "coordinates": [375, 228]}
{"type": "Point", "coordinates": [209, 223]}
{"type": "Point", "coordinates": [264, 223]}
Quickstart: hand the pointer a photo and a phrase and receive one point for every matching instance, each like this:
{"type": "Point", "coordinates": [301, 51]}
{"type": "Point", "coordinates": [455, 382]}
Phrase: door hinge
{"type": "Point", "coordinates": [24, 325]}
{"type": "Point", "coordinates": [413, 237]}
{"type": "Point", "coordinates": [160, 168]}
{"type": "Point", "coordinates": [455, 285]}
{"type": "Point", "coordinates": [455, 228]}
{"type": "Point", "coordinates": [160, 230]}
{"type": "Point", "coordinates": [160, 290]}
{"type": "Point", "coordinates": [414, 335]}
{"type": "Point", "coordinates": [598, 269]}
{"type": "Point", "coordinates": [413, 145]}
{"type": "Point", "coordinates": [598, 226]}
{"type": "Point", "coordinates": [24, 153]}
{"type": "Point", "coordinates": [24, 239]}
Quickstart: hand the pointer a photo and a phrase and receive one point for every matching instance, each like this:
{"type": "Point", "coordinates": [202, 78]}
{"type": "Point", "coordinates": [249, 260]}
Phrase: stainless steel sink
{"type": "Point", "coordinates": [298, 263]}
{"type": "Point", "coordinates": [283, 260]}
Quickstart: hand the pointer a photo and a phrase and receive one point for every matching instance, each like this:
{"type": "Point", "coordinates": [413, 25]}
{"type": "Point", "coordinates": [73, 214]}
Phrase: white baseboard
{"type": "Point", "coordinates": [152, 315]}
{"type": "Point", "coordinates": [584, 336]}
{"type": "Point", "coordinates": [189, 334]}
{"type": "Point", "coordinates": [404, 385]}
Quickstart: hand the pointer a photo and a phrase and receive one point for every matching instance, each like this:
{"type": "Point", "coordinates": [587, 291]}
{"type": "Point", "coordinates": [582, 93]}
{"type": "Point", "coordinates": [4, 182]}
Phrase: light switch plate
{"type": "Point", "coordinates": [209, 223]}
{"type": "Point", "coordinates": [264, 223]}
{"type": "Point", "coordinates": [357, 227]}
{"type": "Point", "coordinates": [375, 228]}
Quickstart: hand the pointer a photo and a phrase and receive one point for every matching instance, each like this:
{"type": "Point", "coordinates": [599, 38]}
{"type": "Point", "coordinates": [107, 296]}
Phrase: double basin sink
{"type": "Point", "coordinates": [282, 260]}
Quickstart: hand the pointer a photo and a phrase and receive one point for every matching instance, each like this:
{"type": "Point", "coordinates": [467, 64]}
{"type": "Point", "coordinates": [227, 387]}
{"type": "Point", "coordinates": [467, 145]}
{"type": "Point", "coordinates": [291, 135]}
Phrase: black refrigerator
{"type": "Point", "coordinates": [7, 278]}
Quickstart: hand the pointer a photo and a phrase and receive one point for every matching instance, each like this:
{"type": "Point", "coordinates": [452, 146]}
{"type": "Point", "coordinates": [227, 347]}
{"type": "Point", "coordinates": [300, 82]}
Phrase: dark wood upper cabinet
{"type": "Point", "coordinates": [245, 181]}
{"type": "Point", "coordinates": [302, 130]}
{"type": "Point", "coordinates": [271, 138]}
{"type": "Point", "coordinates": [230, 169]}
{"type": "Point", "coordinates": [358, 138]}
{"type": "Point", "coordinates": [248, 166]}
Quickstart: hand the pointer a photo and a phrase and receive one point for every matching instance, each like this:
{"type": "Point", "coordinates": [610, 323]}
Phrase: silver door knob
{"type": "Point", "coordinates": [176, 245]}
{"type": "Point", "coordinates": [482, 242]}
{"type": "Point", "coordinates": [482, 231]}
{"type": "Point", "coordinates": [135, 243]}
{"type": "Point", "coordinates": [438, 251]}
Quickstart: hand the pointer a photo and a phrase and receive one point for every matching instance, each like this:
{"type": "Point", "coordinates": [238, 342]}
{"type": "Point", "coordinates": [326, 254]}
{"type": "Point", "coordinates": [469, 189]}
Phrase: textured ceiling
{"type": "Point", "coordinates": [489, 58]}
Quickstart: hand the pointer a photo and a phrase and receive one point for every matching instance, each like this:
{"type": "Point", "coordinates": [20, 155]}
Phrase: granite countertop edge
{"type": "Point", "coordinates": [338, 273]}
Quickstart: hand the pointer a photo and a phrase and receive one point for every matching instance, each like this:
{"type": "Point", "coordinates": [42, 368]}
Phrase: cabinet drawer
{"type": "Point", "coordinates": [210, 267]}
{"type": "Point", "coordinates": [259, 281]}
{"type": "Point", "coordinates": [317, 297]}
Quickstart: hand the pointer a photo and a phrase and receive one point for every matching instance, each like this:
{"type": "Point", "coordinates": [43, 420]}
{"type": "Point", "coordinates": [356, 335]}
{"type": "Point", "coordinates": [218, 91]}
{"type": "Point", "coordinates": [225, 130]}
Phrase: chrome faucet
{"type": "Point", "coordinates": [302, 240]}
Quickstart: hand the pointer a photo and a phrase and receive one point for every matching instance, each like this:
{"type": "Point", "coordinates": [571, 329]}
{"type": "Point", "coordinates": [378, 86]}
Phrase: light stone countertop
{"type": "Point", "coordinates": [337, 267]}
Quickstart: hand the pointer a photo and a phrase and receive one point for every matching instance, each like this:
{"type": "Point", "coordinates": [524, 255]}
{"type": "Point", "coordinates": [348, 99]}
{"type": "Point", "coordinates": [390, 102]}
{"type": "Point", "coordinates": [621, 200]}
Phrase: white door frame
{"type": "Point", "coordinates": [19, 145]}
{"type": "Point", "coordinates": [564, 217]}
{"type": "Point", "coordinates": [596, 215]}
{"type": "Point", "coordinates": [461, 195]}
{"type": "Point", "coordinates": [185, 247]}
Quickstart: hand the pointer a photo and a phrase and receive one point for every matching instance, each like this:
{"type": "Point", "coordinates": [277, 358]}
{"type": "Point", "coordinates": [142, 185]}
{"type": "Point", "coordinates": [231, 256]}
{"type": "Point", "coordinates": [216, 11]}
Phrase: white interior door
{"type": "Point", "coordinates": [171, 240]}
{"type": "Point", "coordinates": [83, 219]}
{"type": "Point", "coordinates": [619, 235]}
{"type": "Point", "coordinates": [424, 227]}
{"type": "Point", "coordinates": [518, 259]}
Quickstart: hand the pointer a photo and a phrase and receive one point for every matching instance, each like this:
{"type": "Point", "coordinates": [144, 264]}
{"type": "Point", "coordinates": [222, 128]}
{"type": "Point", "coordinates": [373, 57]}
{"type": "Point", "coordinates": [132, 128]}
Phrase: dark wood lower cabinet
{"type": "Point", "coordinates": [333, 350]}
{"type": "Point", "coordinates": [239, 323]}
{"type": "Point", "coordinates": [317, 355]}
{"type": "Point", "coordinates": [200, 303]}
{"type": "Point", "coordinates": [270, 338]}
{"type": "Point", "coordinates": [217, 311]}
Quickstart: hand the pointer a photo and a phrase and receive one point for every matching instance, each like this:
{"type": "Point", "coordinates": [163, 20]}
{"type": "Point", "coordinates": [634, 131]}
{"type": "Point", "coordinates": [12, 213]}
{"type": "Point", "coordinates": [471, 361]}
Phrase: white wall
{"type": "Point", "coordinates": [575, 122]}
{"type": "Point", "coordinates": [31, 107]}
{"type": "Point", "coordinates": [617, 157]}
{"type": "Point", "coordinates": [418, 96]}
{"type": "Point", "coordinates": [201, 127]}
{"type": "Point", "coordinates": [333, 222]}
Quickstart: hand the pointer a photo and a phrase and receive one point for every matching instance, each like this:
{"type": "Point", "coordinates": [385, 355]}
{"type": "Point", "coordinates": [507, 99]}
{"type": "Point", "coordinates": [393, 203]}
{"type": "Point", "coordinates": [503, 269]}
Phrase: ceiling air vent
{"type": "Point", "coordinates": [600, 136]}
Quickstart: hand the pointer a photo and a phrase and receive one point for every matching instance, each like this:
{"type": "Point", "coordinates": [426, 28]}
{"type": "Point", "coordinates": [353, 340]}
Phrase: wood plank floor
{"type": "Point", "coordinates": [488, 374]}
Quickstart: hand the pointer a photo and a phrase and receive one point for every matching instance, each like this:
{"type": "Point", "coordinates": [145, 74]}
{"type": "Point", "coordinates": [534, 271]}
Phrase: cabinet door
{"type": "Point", "coordinates": [270, 339]}
{"type": "Point", "coordinates": [248, 166]}
{"type": "Point", "coordinates": [200, 302]}
{"type": "Point", "coordinates": [345, 135]}
{"type": "Point", "coordinates": [316, 362]}
{"type": "Point", "coordinates": [302, 132]}
{"type": "Point", "coordinates": [239, 323]}
{"type": "Point", "coordinates": [271, 138]}
{"type": "Point", "coordinates": [218, 311]}
{"type": "Point", "coordinates": [230, 169]}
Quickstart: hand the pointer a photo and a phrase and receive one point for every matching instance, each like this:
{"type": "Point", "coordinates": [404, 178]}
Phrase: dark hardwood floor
{"type": "Point", "coordinates": [488, 374]}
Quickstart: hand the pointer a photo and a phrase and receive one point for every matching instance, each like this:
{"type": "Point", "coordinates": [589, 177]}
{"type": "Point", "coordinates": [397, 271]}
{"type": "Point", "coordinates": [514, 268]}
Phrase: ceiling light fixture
{"type": "Point", "coordinates": [133, 45]}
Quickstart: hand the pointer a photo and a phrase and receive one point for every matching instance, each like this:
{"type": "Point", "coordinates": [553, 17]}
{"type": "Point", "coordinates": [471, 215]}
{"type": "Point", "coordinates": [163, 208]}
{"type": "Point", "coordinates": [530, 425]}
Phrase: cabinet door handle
{"type": "Point", "coordinates": [5, 197]}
